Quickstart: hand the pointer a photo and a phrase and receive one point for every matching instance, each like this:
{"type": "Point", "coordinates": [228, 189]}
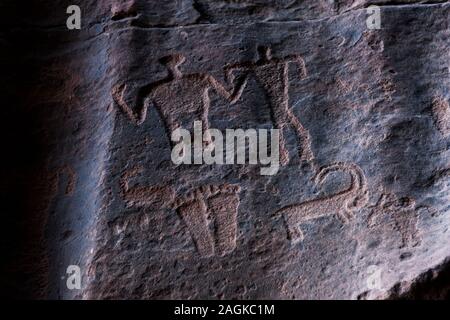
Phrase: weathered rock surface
{"type": "Point", "coordinates": [364, 215]}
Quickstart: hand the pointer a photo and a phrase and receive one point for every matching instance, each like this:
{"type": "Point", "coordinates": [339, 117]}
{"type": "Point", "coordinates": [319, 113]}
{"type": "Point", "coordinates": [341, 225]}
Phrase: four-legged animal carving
{"type": "Point", "coordinates": [342, 204]}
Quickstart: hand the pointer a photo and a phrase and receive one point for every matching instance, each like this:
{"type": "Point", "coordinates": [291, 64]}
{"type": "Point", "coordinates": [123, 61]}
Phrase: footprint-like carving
{"type": "Point", "coordinates": [221, 202]}
{"type": "Point", "coordinates": [342, 204]}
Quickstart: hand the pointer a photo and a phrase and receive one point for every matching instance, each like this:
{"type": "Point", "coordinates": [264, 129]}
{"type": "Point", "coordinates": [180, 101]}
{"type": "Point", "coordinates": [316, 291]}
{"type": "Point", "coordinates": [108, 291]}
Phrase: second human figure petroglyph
{"type": "Point", "coordinates": [273, 75]}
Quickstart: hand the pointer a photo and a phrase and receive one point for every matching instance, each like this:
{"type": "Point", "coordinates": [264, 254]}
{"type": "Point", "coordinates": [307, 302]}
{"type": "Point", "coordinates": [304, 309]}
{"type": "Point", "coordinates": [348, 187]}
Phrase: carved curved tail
{"type": "Point", "coordinates": [358, 184]}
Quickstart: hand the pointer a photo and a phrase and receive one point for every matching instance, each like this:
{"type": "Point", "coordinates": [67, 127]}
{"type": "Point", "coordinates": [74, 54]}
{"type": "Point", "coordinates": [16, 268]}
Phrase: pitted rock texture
{"type": "Point", "coordinates": [359, 208]}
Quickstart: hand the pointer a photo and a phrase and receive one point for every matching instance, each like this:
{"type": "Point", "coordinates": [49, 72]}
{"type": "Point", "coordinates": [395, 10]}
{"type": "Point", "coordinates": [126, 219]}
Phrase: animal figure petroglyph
{"type": "Point", "coordinates": [272, 74]}
{"type": "Point", "coordinates": [141, 196]}
{"type": "Point", "coordinates": [219, 202]}
{"type": "Point", "coordinates": [177, 97]}
{"type": "Point", "coordinates": [341, 204]}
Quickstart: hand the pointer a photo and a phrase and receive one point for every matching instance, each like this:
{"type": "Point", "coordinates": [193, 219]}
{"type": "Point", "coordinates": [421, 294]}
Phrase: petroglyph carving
{"type": "Point", "coordinates": [221, 204]}
{"type": "Point", "coordinates": [177, 97]}
{"type": "Point", "coordinates": [343, 204]}
{"type": "Point", "coordinates": [402, 215]}
{"type": "Point", "coordinates": [441, 115]}
{"type": "Point", "coordinates": [159, 196]}
{"type": "Point", "coordinates": [194, 216]}
{"type": "Point", "coordinates": [272, 74]}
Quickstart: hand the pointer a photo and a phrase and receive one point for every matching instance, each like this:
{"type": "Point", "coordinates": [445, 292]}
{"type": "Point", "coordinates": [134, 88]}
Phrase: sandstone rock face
{"type": "Point", "coordinates": [359, 208]}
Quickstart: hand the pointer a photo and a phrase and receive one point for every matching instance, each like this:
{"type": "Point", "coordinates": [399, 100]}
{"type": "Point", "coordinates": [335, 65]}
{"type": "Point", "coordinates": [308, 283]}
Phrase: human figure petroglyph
{"type": "Point", "coordinates": [218, 201]}
{"type": "Point", "coordinates": [177, 97]}
{"type": "Point", "coordinates": [272, 74]}
{"type": "Point", "coordinates": [343, 204]}
{"type": "Point", "coordinates": [402, 216]}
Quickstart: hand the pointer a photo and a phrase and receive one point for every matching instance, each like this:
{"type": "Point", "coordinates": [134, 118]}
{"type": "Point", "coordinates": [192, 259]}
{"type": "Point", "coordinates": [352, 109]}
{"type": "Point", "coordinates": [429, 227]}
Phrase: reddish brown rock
{"type": "Point", "coordinates": [358, 208]}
